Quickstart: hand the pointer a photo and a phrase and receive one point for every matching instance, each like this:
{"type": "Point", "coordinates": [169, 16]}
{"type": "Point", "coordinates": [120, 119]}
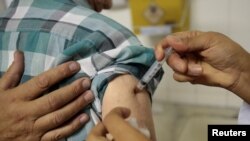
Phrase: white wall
{"type": "Point", "coordinates": [7, 2]}
{"type": "Point", "coordinates": [2, 6]}
{"type": "Point", "coordinates": [230, 17]}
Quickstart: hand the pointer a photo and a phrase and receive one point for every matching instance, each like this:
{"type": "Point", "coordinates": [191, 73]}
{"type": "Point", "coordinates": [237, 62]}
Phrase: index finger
{"type": "Point", "coordinates": [120, 129]}
{"type": "Point", "coordinates": [188, 41]}
{"type": "Point", "coordinates": [39, 84]}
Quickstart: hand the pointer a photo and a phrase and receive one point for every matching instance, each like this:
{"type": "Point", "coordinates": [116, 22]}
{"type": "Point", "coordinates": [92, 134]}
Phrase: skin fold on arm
{"type": "Point", "coordinates": [121, 92]}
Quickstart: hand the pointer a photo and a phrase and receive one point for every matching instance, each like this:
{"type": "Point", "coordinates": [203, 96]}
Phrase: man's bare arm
{"type": "Point", "coordinates": [121, 93]}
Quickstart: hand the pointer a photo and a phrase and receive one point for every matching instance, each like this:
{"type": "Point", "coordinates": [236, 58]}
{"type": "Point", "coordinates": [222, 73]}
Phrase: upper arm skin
{"type": "Point", "coordinates": [121, 93]}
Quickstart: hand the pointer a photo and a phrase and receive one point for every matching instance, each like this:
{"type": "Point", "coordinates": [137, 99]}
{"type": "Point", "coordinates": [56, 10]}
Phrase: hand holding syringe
{"type": "Point", "coordinates": [132, 121]}
{"type": "Point", "coordinates": [153, 70]}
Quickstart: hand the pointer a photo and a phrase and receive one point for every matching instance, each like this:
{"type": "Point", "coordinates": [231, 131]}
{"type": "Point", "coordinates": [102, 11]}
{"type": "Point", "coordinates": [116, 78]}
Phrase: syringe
{"type": "Point", "coordinates": [153, 70]}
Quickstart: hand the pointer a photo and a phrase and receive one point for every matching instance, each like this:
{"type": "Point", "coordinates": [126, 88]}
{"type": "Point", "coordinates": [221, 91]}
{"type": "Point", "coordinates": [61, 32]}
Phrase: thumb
{"type": "Point", "coordinates": [120, 129]}
{"type": "Point", "coordinates": [14, 73]}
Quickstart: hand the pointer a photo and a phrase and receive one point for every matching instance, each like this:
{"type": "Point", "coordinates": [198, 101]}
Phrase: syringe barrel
{"type": "Point", "coordinates": [153, 70]}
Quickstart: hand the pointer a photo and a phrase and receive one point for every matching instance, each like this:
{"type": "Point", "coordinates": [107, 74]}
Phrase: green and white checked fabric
{"type": "Point", "coordinates": [51, 32]}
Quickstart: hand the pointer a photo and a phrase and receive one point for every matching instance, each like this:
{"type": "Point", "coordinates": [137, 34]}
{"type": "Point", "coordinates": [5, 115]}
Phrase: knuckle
{"type": "Point", "coordinates": [74, 127]}
{"type": "Point", "coordinates": [79, 103]}
{"type": "Point", "coordinates": [195, 33]}
{"type": "Point", "coordinates": [20, 116]}
{"type": "Point", "coordinates": [211, 35]}
{"type": "Point", "coordinates": [28, 129]}
{"type": "Point", "coordinates": [57, 119]}
{"type": "Point", "coordinates": [12, 99]}
{"type": "Point", "coordinates": [76, 89]}
{"type": "Point", "coordinates": [57, 136]}
{"type": "Point", "coordinates": [52, 102]}
{"type": "Point", "coordinates": [63, 71]}
{"type": "Point", "coordinates": [42, 82]}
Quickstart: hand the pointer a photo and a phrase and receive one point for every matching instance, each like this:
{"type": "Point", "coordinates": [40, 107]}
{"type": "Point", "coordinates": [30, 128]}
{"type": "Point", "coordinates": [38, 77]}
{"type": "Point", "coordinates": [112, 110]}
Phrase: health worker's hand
{"type": "Point", "coordinates": [116, 125]}
{"type": "Point", "coordinates": [208, 58]}
{"type": "Point", "coordinates": [99, 5]}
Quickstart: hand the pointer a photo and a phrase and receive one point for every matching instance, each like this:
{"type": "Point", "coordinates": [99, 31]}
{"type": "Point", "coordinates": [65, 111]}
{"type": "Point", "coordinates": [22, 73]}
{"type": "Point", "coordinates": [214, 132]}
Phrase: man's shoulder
{"type": "Point", "coordinates": [94, 21]}
{"type": "Point", "coordinates": [72, 22]}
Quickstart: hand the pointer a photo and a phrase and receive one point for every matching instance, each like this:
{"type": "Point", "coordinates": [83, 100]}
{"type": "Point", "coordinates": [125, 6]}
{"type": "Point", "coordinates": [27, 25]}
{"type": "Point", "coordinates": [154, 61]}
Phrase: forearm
{"type": "Point", "coordinates": [121, 93]}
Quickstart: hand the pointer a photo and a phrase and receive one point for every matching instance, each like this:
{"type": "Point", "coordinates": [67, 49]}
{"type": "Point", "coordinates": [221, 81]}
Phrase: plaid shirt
{"type": "Point", "coordinates": [51, 32]}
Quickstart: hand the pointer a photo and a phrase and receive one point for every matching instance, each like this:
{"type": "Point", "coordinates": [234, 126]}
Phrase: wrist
{"type": "Point", "coordinates": [242, 89]}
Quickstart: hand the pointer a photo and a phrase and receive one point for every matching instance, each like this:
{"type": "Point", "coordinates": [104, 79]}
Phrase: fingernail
{"type": "Point", "coordinates": [89, 96]}
{"type": "Point", "coordinates": [86, 83]}
{"type": "Point", "coordinates": [174, 38]}
{"type": "Point", "coordinates": [16, 53]}
{"type": "Point", "coordinates": [158, 55]}
{"type": "Point", "coordinates": [73, 66]}
{"type": "Point", "coordinates": [181, 67]}
{"type": "Point", "coordinates": [84, 118]}
{"type": "Point", "coordinates": [15, 56]}
{"type": "Point", "coordinates": [195, 70]}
